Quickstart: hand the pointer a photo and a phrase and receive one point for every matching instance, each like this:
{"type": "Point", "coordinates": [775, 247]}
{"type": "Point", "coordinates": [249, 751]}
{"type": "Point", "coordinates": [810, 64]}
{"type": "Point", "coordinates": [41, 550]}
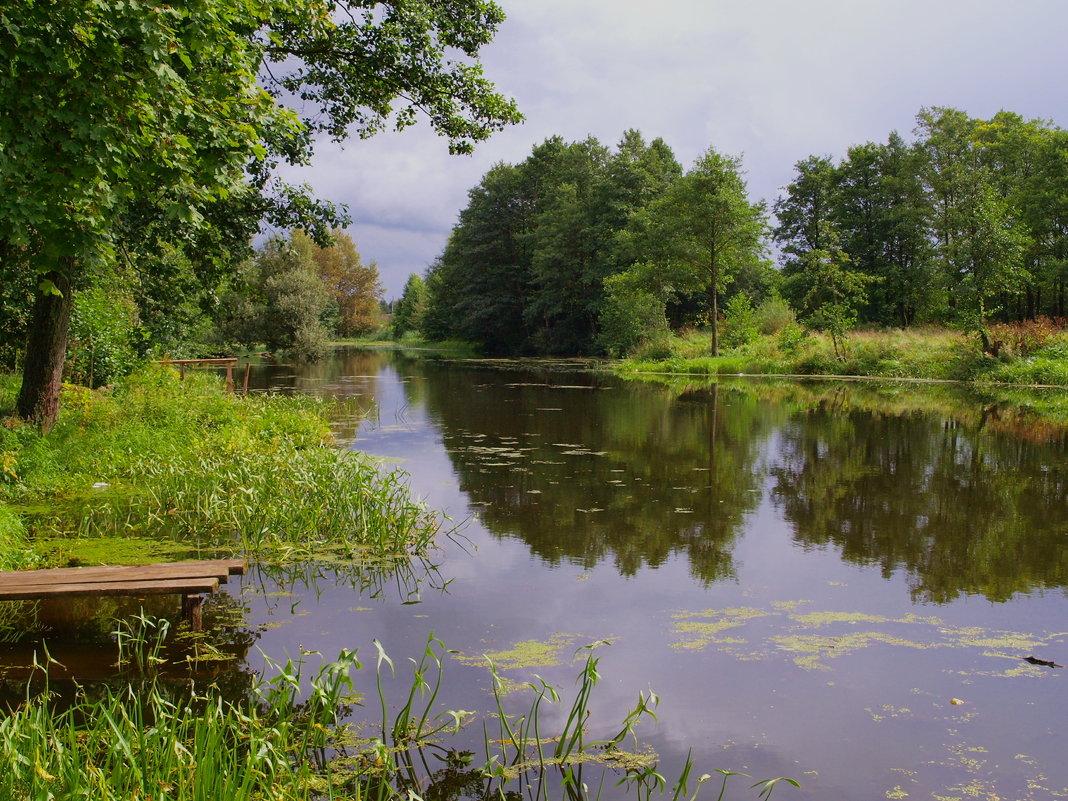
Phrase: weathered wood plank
{"type": "Point", "coordinates": [102, 588]}
{"type": "Point", "coordinates": [219, 568]}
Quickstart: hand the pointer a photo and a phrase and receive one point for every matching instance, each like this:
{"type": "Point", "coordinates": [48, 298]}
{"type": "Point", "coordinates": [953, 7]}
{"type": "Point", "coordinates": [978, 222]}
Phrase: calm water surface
{"type": "Point", "coordinates": [831, 582]}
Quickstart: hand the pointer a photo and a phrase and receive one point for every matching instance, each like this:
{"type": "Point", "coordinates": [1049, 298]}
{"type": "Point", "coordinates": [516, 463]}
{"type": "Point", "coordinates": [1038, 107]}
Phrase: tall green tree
{"type": "Point", "coordinates": [112, 103]}
{"type": "Point", "coordinates": [537, 241]}
{"type": "Point", "coordinates": [1026, 162]}
{"type": "Point", "coordinates": [479, 287]}
{"type": "Point", "coordinates": [799, 214]}
{"type": "Point", "coordinates": [908, 287]}
{"type": "Point", "coordinates": [882, 214]}
{"type": "Point", "coordinates": [568, 260]}
{"type": "Point", "coordinates": [704, 229]}
{"type": "Point", "coordinates": [410, 309]}
{"type": "Point", "coordinates": [294, 297]}
{"type": "Point", "coordinates": [986, 256]}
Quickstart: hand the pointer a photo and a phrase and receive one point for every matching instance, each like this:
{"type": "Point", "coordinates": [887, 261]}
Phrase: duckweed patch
{"type": "Point", "coordinates": [812, 639]}
{"type": "Point", "coordinates": [700, 628]}
{"type": "Point", "coordinates": [526, 654]}
{"type": "Point", "coordinates": [108, 550]}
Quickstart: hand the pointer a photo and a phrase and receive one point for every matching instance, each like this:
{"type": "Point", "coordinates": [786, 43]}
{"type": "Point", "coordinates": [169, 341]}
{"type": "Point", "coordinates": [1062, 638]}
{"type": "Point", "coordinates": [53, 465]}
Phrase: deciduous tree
{"type": "Point", "coordinates": [109, 103]}
{"type": "Point", "coordinates": [704, 229]}
{"type": "Point", "coordinates": [354, 286]}
{"type": "Point", "coordinates": [409, 311]}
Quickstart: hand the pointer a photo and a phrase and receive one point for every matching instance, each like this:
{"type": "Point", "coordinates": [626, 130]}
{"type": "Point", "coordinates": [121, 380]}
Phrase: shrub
{"type": "Point", "coordinates": [632, 320]}
{"type": "Point", "coordinates": [1025, 337]}
{"type": "Point", "coordinates": [655, 349]}
{"type": "Point", "coordinates": [774, 315]}
{"type": "Point", "coordinates": [791, 338]}
{"type": "Point", "coordinates": [740, 321]}
{"type": "Point", "coordinates": [100, 347]}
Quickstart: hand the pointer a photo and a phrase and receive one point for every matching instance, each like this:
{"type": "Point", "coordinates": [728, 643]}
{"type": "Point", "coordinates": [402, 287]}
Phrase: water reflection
{"type": "Point", "coordinates": [583, 473]}
{"type": "Point", "coordinates": [585, 470]}
{"type": "Point", "coordinates": [962, 510]}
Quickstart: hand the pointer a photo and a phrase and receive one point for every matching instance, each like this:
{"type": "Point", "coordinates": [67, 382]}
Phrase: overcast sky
{"type": "Point", "coordinates": [773, 81]}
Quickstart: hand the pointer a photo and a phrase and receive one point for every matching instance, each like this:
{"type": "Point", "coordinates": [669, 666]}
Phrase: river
{"type": "Point", "coordinates": [837, 582]}
{"type": "Point", "coordinates": [834, 582]}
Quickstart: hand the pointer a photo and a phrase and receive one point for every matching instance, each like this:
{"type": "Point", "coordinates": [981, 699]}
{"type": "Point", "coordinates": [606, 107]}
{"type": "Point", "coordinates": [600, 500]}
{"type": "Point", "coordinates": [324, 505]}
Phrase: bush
{"type": "Point", "coordinates": [1025, 337]}
{"type": "Point", "coordinates": [632, 319]}
{"type": "Point", "coordinates": [100, 345]}
{"type": "Point", "coordinates": [791, 338]}
{"type": "Point", "coordinates": [819, 363]}
{"type": "Point", "coordinates": [656, 348]}
{"type": "Point", "coordinates": [773, 315]}
{"type": "Point", "coordinates": [740, 321]}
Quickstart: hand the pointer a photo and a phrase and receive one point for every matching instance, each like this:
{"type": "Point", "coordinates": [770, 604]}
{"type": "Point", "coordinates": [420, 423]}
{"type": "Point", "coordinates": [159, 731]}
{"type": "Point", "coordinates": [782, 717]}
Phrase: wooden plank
{"type": "Point", "coordinates": [99, 588]}
{"type": "Point", "coordinates": [219, 568]}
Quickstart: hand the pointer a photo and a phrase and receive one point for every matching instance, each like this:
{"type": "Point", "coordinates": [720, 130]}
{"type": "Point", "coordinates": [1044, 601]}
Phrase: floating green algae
{"type": "Point", "coordinates": [526, 654]}
{"type": "Point", "coordinates": [700, 628]}
{"type": "Point", "coordinates": [110, 550]}
{"type": "Point", "coordinates": [812, 639]}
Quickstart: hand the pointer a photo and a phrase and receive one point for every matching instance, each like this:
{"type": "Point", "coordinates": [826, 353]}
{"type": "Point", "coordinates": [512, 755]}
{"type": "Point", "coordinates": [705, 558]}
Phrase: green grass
{"type": "Point", "coordinates": [290, 739]}
{"type": "Point", "coordinates": [195, 468]}
{"type": "Point", "coordinates": [412, 341]}
{"type": "Point", "coordinates": [919, 353]}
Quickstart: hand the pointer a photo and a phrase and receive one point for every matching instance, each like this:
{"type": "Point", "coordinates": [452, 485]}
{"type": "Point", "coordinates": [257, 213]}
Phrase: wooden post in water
{"type": "Point", "coordinates": [193, 611]}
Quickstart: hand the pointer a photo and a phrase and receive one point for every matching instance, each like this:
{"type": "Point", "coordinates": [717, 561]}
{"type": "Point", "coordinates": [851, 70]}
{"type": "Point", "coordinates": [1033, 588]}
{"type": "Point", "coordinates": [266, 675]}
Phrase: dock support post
{"type": "Point", "coordinates": [193, 611]}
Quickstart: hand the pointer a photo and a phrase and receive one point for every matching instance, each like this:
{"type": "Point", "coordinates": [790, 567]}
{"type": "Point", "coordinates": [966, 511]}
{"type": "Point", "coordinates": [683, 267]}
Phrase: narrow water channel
{"type": "Point", "coordinates": [832, 582]}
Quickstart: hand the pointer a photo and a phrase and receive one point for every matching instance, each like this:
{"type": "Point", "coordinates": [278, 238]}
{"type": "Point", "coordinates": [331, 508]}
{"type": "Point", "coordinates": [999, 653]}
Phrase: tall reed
{"type": "Point", "coordinates": [289, 742]}
{"type": "Point", "coordinates": [184, 461]}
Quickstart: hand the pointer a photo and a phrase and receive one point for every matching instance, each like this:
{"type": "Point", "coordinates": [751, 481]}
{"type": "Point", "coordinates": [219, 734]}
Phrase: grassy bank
{"type": "Point", "coordinates": [411, 341]}
{"type": "Point", "coordinates": [156, 467]}
{"type": "Point", "coordinates": [1026, 355]}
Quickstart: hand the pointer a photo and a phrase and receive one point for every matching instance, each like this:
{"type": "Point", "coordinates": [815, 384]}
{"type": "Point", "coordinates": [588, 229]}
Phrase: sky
{"type": "Point", "coordinates": [772, 81]}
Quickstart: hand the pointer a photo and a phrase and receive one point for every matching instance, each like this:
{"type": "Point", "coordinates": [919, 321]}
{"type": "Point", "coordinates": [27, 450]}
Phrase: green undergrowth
{"type": "Point", "coordinates": [321, 731]}
{"type": "Point", "coordinates": [412, 341]}
{"type": "Point", "coordinates": [931, 354]}
{"type": "Point", "coordinates": [187, 465]}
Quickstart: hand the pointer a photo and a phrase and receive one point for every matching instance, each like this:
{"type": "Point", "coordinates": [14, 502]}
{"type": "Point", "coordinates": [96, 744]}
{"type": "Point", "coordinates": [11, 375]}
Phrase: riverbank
{"type": "Point", "coordinates": [410, 341]}
{"type": "Point", "coordinates": [1027, 355]}
{"type": "Point", "coordinates": [158, 468]}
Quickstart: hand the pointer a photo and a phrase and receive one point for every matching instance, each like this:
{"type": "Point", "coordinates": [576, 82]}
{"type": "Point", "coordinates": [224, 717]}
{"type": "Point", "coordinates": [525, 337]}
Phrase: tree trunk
{"type": "Point", "coordinates": [46, 348]}
{"type": "Point", "coordinates": [715, 312]}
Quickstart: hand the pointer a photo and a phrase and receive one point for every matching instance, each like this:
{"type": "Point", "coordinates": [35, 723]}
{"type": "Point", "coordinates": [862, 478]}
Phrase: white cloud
{"type": "Point", "coordinates": [775, 80]}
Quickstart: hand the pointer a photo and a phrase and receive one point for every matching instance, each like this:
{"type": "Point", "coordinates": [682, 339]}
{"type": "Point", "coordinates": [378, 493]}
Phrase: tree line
{"type": "Point", "coordinates": [583, 249]}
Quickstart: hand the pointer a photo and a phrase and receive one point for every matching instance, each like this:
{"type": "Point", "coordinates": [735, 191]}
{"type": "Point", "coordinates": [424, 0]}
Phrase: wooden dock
{"type": "Point", "coordinates": [191, 580]}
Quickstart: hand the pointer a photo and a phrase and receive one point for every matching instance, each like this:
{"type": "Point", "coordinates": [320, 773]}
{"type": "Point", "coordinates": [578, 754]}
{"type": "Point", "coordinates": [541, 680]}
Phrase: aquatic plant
{"type": "Point", "coordinates": [186, 463]}
{"type": "Point", "coordinates": [289, 741]}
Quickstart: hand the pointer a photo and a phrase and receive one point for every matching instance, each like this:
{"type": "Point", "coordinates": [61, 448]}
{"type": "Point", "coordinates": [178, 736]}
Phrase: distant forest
{"type": "Point", "coordinates": [583, 249]}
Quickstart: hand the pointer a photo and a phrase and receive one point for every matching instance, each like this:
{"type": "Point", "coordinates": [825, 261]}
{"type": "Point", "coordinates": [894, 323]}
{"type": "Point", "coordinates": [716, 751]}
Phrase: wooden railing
{"type": "Point", "coordinates": [228, 363]}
